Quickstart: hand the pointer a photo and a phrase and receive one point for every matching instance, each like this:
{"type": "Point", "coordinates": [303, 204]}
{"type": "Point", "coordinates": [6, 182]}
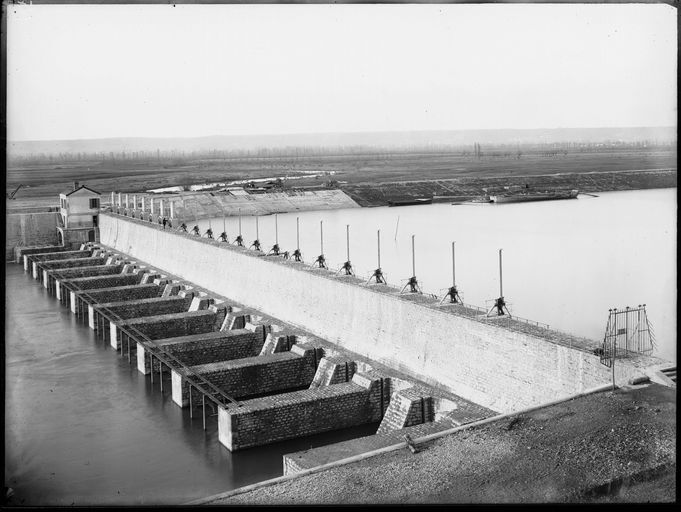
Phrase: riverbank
{"type": "Point", "coordinates": [612, 446]}
{"type": "Point", "coordinates": [471, 187]}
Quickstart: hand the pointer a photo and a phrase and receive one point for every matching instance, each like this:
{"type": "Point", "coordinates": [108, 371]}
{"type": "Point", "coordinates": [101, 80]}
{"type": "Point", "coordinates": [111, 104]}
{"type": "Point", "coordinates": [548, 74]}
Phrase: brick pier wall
{"type": "Point", "coordinates": [36, 255]}
{"type": "Point", "coordinates": [147, 307]}
{"type": "Point", "coordinates": [250, 376]}
{"type": "Point", "coordinates": [285, 416]}
{"type": "Point", "coordinates": [197, 349]}
{"type": "Point", "coordinates": [89, 283]}
{"type": "Point", "coordinates": [88, 261]}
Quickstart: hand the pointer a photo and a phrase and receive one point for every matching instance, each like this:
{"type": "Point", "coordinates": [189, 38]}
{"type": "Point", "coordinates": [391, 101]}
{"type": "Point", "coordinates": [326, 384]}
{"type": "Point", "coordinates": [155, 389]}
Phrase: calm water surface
{"type": "Point", "coordinates": [565, 263]}
{"type": "Point", "coordinates": [83, 427]}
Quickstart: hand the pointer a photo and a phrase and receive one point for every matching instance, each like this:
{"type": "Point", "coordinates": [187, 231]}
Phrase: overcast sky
{"type": "Point", "coordinates": [162, 71]}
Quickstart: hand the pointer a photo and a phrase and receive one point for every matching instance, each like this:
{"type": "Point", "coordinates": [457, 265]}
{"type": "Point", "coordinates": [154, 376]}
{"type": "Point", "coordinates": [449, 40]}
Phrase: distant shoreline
{"type": "Point", "coordinates": [467, 188]}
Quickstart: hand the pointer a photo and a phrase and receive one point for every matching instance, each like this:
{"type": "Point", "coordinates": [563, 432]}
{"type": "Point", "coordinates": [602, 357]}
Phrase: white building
{"type": "Point", "coordinates": [79, 215]}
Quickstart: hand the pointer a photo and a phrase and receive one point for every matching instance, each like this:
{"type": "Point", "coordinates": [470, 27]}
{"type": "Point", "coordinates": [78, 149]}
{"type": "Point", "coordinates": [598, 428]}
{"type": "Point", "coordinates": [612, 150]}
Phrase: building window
{"type": "Point", "coordinates": [94, 203]}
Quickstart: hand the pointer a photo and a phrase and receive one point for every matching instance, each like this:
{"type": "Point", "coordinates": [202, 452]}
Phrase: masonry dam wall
{"type": "Point", "coordinates": [29, 228]}
{"type": "Point", "coordinates": [498, 368]}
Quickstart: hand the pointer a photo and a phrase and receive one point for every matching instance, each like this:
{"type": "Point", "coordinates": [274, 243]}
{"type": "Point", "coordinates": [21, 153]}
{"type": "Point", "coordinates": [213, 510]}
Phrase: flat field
{"type": "Point", "coordinates": [46, 181]}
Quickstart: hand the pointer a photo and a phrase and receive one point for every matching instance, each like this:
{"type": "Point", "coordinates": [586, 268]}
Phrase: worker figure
{"type": "Point", "coordinates": [500, 304]}
{"type": "Point", "coordinates": [274, 250]}
{"type": "Point", "coordinates": [453, 295]}
{"type": "Point", "coordinates": [378, 275]}
{"type": "Point", "coordinates": [297, 255]}
{"type": "Point", "coordinates": [183, 227]}
{"type": "Point", "coordinates": [413, 285]}
{"type": "Point", "coordinates": [256, 244]}
{"type": "Point", "coordinates": [223, 237]}
{"type": "Point", "coordinates": [347, 266]}
{"type": "Point", "coordinates": [239, 241]}
{"type": "Point", "coordinates": [321, 261]}
{"type": "Point", "coordinates": [286, 255]}
{"type": "Point", "coordinates": [196, 231]}
{"type": "Point", "coordinates": [209, 233]}
{"type": "Point", "coordinates": [165, 221]}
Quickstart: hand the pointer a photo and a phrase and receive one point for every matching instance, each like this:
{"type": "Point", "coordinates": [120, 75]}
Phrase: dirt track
{"type": "Point", "coordinates": [613, 446]}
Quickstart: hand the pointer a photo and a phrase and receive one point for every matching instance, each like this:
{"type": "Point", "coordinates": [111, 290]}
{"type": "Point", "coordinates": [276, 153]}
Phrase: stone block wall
{"type": "Point", "coordinates": [204, 348]}
{"type": "Point", "coordinates": [121, 293]}
{"type": "Point", "coordinates": [57, 255]}
{"type": "Point", "coordinates": [29, 229]}
{"type": "Point", "coordinates": [260, 374]}
{"type": "Point", "coordinates": [407, 408]}
{"type": "Point", "coordinates": [21, 251]}
{"type": "Point", "coordinates": [89, 283]}
{"type": "Point", "coordinates": [147, 307]}
{"type": "Point", "coordinates": [276, 418]}
{"type": "Point", "coordinates": [165, 326]}
{"type": "Point", "coordinates": [333, 370]}
{"type": "Point", "coordinates": [73, 273]}
{"type": "Point", "coordinates": [73, 262]}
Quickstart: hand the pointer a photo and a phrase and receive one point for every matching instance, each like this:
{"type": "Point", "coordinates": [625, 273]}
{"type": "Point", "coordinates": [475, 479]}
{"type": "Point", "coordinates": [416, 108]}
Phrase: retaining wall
{"type": "Point", "coordinates": [29, 229]}
{"type": "Point", "coordinates": [147, 307]}
{"type": "Point", "coordinates": [300, 413]}
{"type": "Point", "coordinates": [495, 367]}
{"type": "Point", "coordinates": [204, 348]}
{"type": "Point", "coordinates": [261, 374]}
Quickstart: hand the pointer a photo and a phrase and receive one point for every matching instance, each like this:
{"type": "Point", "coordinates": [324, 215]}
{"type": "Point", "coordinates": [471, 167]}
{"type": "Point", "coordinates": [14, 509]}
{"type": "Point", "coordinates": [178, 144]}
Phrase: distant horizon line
{"type": "Point", "coordinates": [359, 132]}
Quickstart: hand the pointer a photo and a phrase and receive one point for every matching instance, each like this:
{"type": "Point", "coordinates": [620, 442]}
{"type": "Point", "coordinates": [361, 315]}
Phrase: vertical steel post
{"type": "Point", "coordinates": [160, 374]}
{"type": "Point", "coordinates": [413, 257]}
{"type": "Point", "coordinates": [298, 233]}
{"type": "Point", "coordinates": [378, 236]}
{"type": "Point", "coordinates": [239, 221]}
{"type": "Point", "coordinates": [151, 366]}
{"type": "Point", "coordinates": [203, 407]}
{"type": "Point", "coordinates": [347, 241]}
{"type": "Point", "coordinates": [321, 236]}
{"type": "Point", "coordinates": [276, 230]}
{"type": "Point", "coordinates": [257, 229]}
{"type": "Point", "coordinates": [224, 228]}
{"type": "Point", "coordinates": [191, 413]}
{"type": "Point", "coordinates": [501, 284]}
{"type": "Point", "coordinates": [453, 265]}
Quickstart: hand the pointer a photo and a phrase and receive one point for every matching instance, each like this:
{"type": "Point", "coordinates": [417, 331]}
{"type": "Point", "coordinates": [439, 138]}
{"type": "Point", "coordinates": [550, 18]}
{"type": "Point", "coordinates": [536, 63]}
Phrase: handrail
{"type": "Point", "coordinates": [158, 352]}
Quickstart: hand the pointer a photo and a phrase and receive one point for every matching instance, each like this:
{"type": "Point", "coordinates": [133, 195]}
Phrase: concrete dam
{"type": "Point", "coordinates": [281, 349]}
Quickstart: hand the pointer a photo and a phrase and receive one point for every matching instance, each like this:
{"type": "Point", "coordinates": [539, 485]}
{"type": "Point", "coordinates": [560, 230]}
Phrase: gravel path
{"type": "Point", "coordinates": [564, 453]}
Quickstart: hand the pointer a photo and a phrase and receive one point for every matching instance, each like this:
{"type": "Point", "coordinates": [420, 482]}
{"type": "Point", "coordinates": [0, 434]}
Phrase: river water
{"type": "Point", "coordinates": [83, 427]}
{"type": "Point", "coordinates": [565, 263]}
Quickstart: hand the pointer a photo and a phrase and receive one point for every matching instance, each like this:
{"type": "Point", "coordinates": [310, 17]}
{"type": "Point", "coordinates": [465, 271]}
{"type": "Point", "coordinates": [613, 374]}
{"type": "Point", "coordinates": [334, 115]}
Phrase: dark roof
{"type": "Point", "coordinates": [68, 193]}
